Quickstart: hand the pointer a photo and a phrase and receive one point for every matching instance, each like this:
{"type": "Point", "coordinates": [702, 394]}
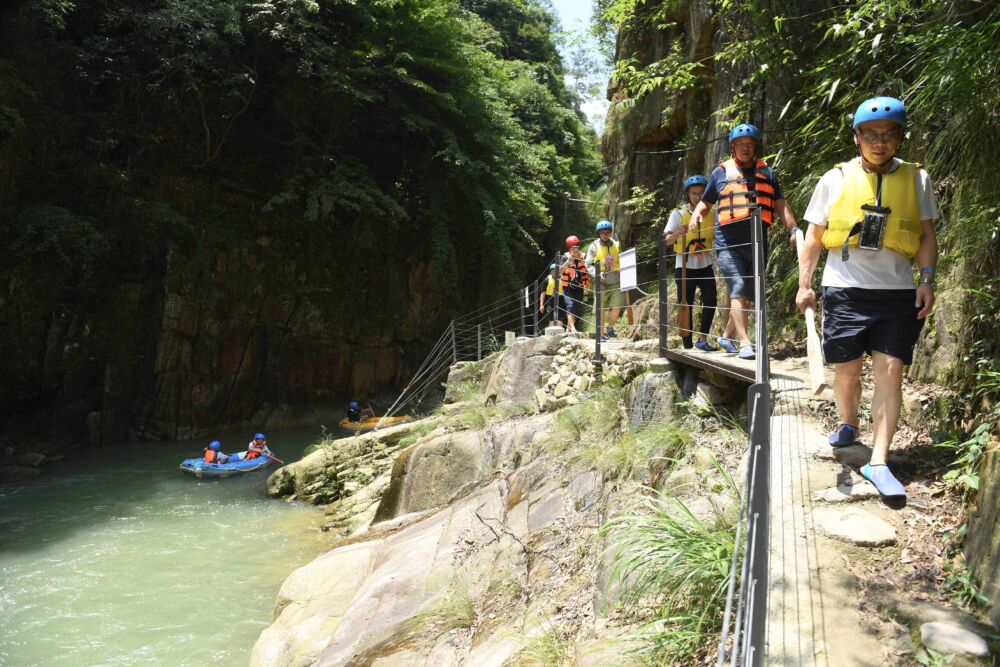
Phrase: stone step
{"type": "Point", "coordinates": [856, 526]}
{"type": "Point", "coordinates": [847, 493]}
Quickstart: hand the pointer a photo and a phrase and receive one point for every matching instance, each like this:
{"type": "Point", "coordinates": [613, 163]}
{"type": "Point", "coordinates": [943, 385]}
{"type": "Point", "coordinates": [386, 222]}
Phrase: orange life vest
{"type": "Point", "coordinates": [211, 456]}
{"type": "Point", "coordinates": [251, 453]}
{"type": "Point", "coordinates": [575, 274]}
{"type": "Point", "coordinates": [736, 200]}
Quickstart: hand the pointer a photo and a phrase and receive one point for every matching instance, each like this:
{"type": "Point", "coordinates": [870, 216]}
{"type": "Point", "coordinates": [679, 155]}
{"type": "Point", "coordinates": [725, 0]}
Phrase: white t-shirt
{"type": "Point", "coordinates": [883, 269]}
{"type": "Point", "coordinates": [693, 262]}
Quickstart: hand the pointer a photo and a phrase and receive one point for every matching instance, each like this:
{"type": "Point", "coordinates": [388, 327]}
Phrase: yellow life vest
{"type": "Point", "coordinates": [702, 240]}
{"type": "Point", "coordinates": [899, 195]}
{"type": "Point", "coordinates": [613, 252]}
{"type": "Point", "coordinates": [550, 285]}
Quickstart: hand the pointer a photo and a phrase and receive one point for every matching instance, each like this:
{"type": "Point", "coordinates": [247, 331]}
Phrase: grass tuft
{"type": "Point", "coordinates": [674, 570]}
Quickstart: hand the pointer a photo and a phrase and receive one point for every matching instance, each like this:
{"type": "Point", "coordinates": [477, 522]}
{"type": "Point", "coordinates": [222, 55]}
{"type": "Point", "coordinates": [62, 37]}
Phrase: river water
{"type": "Point", "coordinates": [120, 559]}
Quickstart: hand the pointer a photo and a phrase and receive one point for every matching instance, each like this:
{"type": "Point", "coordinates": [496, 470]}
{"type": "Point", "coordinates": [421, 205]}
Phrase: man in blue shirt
{"type": "Point", "coordinates": [740, 185]}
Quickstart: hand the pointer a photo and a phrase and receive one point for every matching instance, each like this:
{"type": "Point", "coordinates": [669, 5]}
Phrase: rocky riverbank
{"type": "Point", "coordinates": [473, 536]}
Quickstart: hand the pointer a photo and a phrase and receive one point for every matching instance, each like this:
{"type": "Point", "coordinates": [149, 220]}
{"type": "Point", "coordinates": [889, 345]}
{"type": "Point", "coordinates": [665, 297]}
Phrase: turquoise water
{"type": "Point", "coordinates": [124, 560]}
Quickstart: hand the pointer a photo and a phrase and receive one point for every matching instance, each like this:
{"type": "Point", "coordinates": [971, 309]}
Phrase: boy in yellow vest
{"type": "Point", "coordinates": [875, 215]}
{"type": "Point", "coordinates": [606, 253]}
{"type": "Point", "coordinates": [695, 251]}
{"type": "Point", "coordinates": [551, 298]}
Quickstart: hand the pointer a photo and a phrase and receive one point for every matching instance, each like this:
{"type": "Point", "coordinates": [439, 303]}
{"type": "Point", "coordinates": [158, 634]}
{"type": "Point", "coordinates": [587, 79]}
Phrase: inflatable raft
{"type": "Point", "coordinates": [372, 422]}
{"type": "Point", "coordinates": [200, 469]}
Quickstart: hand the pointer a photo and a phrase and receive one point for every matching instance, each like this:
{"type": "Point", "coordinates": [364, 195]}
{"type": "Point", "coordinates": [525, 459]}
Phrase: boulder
{"type": "Point", "coordinates": [946, 638]}
{"type": "Point", "coordinates": [359, 603]}
{"type": "Point", "coordinates": [427, 475]}
{"type": "Point", "coordinates": [516, 374]}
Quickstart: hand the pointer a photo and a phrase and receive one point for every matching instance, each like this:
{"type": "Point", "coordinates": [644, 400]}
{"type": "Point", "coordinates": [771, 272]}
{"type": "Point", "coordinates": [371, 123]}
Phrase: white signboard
{"type": "Point", "coordinates": [628, 272]}
{"type": "Point", "coordinates": [509, 337]}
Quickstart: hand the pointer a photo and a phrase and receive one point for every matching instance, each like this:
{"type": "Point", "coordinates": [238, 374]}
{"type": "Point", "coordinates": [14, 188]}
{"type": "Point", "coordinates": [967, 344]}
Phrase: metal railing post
{"type": "Point", "coordinates": [530, 304]}
{"type": "Point", "coordinates": [763, 370]}
{"type": "Point", "coordinates": [534, 310]}
{"type": "Point", "coordinates": [664, 289]}
{"type": "Point", "coordinates": [479, 342]}
{"type": "Point", "coordinates": [454, 344]}
{"type": "Point", "coordinates": [597, 311]}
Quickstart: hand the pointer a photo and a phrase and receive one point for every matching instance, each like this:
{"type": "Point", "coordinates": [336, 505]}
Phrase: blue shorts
{"type": "Point", "coordinates": [858, 320]}
{"type": "Point", "coordinates": [736, 267]}
{"type": "Point", "coordinates": [573, 300]}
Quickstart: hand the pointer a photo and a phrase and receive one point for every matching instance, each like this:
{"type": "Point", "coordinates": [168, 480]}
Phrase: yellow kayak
{"type": "Point", "coordinates": [372, 422]}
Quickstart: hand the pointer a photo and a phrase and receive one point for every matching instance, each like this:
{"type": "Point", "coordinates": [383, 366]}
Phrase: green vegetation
{"type": "Point", "coordinates": [673, 567]}
{"type": "Point", "coordinates": [968, 452]}
{"type": "Point", "coordinates": [800, 73]}
{"type": "Point", "coordinates": [274, 166]}
{"type": "Point", "coordinates": [453, 608]}
{"type": "Point", "coordinates": [547, 648]}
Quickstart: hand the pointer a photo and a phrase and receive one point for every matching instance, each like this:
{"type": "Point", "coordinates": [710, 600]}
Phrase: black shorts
{"type": "Point", "coordinates": [553, 304]}
{"type": "Point", "coordinates": [858, 320]}
{"type": "Point", "coordinates": [697, 279]}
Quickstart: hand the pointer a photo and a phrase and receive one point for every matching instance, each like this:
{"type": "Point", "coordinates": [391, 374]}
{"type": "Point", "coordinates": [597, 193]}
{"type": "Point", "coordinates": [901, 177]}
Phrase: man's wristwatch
{"type": "Point", "coordinates": [927, 276]}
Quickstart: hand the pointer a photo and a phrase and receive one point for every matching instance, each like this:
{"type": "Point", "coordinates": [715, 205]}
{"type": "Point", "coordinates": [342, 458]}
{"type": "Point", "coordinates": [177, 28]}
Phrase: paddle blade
{"type": "Point", "coordinates": [814, 351]}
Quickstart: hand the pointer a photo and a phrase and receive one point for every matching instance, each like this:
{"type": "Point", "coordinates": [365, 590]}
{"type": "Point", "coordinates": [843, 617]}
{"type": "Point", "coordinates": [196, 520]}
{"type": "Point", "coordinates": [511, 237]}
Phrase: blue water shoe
{"type": "Point", "coordinates": [883, 480]}
{"type": "Point", "coordinates": [726, 345]}
{"type": "Point", "coordinates": [845, 436]}
{"type": "Point", "coordinates": [746, 352]}
{"type": "Point", "coordinates": [704, 346]}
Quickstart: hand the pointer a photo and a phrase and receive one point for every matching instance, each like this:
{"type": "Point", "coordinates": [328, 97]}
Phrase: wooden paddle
{"type": "Point", "coordinates": [817, 379]}
{"type": "Point", "coordinates": [273, 458]}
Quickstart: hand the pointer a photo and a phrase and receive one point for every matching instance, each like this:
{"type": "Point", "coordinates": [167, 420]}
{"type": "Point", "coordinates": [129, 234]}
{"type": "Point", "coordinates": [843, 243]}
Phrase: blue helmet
{"type": "Point", "coordinates": [214, 445]}
{"type": "Point", "coordinates": [604, 224]}
{"type": "Point", "coordinates": [697, 179]}
{"type": "Point", "coordinates": [260, 436]}
{"type": "Point", "coordinates": [745, 130]}
{"type": "Point", "coordinates": [552, 267]}
{"type": "Point", "coordinates": [353, 405]}
{"type": "Point", "coordinates": [881, 108]}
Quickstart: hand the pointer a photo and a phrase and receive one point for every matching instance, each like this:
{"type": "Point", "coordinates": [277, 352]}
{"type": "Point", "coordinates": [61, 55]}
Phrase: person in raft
{"type": "Point", "coordinates": [550, 301]}
{"type": "Point", "coordinates": [740, 185]}
{"type": "Point", "coordinates": [695, 250]}
{"type": "Point", "coordinates": [213, 455]}
{"type": "Point", "coordinates": [257, 447]}
{"type": "Point", "coordinates": [356, 414]}
{"type": "Point", "coordinates": [875, 215]}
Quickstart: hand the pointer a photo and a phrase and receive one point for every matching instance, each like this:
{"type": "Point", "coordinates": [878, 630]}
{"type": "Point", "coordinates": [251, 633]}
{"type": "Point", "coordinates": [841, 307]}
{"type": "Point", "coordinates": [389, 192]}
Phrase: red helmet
{"type": "Point", "coordinates": [572, 241]}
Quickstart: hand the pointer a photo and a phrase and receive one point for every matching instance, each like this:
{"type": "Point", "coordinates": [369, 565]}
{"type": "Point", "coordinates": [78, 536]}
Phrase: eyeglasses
{"type": "Point", "coordinates": [873, 137]}
{"type": "Point", "coordinates": [604, 231]}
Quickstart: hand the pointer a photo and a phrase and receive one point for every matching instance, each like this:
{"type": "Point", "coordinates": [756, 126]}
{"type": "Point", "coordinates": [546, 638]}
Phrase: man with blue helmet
{"type": "Point", "coordinates": [213, 453]}
{"type": "Point", "coordinates": [741, 185]}
{"type": "Point", "coordinates": [694, 264]}
{"type": "Point", "coordinates": [356, 414]}
{"type": "Point", "coordinates": [606, 253]}
{"type": "Point", "coordinates": [875, 214]}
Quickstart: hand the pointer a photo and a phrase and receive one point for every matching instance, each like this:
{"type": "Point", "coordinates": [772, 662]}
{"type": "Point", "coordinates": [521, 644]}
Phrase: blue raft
{"type": "Point", "coordinates": [200, 469]}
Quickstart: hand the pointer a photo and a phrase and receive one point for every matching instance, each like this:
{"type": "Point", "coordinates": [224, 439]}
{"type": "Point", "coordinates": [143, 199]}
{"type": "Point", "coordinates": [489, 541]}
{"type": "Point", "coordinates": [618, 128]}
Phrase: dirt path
{"type": "Point", "coordinates": [844, 563]}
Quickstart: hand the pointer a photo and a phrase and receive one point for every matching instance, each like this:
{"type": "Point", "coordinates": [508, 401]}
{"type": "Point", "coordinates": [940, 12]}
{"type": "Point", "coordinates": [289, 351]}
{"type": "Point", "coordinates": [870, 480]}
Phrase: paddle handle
{"type": "Point", "coordinates": [814, 351]}
{"type": "Point", "coordinates": [273, 458]}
